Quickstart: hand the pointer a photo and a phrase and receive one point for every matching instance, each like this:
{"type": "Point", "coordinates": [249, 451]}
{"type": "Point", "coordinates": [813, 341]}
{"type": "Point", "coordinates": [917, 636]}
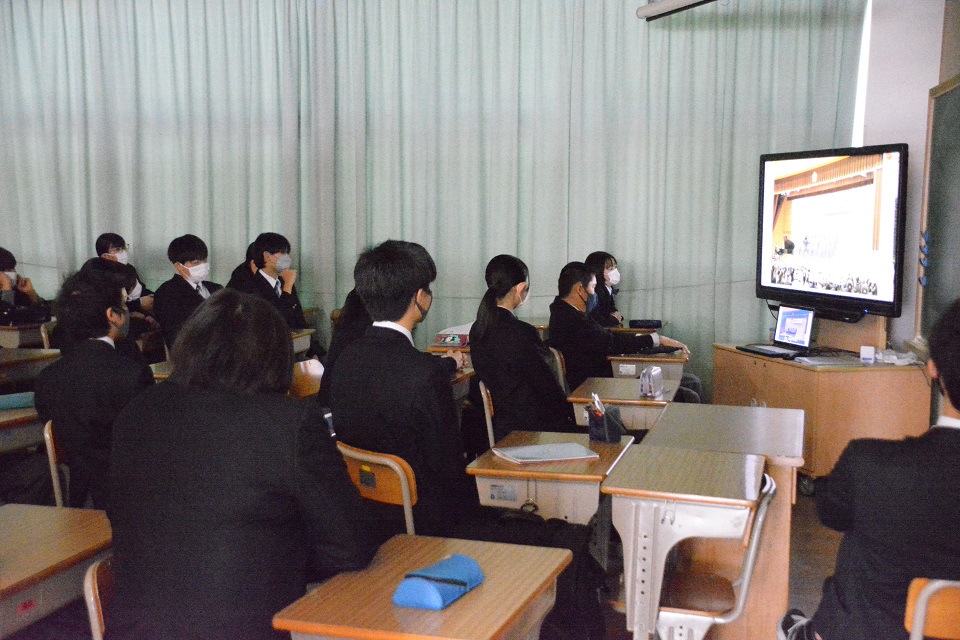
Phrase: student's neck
{"type": "Point", "coordinates": [506, 305]}
{"type": "Point", "coordinates": [270, 271]}
{"type": "Point", "coordinates": [948, 410]}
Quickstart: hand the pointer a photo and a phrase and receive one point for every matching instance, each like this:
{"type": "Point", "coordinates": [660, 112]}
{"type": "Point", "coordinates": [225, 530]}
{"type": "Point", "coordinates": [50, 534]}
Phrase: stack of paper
{"type": "Point", "coordinates": [546, 453]}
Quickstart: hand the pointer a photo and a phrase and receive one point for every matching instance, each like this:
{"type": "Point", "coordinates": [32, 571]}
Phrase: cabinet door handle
{"type": "Point", "coordinates": [753, 402]}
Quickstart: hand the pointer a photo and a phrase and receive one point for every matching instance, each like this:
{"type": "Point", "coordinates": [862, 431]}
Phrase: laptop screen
{"type": "Point", "coordinates": [794, 327]}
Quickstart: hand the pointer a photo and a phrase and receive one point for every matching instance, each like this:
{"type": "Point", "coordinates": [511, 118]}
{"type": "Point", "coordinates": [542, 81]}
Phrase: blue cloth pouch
{"type": "Point", "coordinates": [437, 586]}
{"type": "Point", "coordinates": [17, 400]}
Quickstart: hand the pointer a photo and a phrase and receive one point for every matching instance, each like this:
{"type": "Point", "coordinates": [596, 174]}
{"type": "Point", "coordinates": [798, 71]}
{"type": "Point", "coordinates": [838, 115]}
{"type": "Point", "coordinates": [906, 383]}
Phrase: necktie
{"type": "Point", "coordinates": [276, 287]}
{"type": "Point", "coordinates": [199, 290]}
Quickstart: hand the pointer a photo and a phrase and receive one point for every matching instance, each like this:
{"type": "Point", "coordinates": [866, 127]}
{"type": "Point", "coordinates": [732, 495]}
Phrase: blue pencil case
{"type": "Point", "coordinates": [17, 400]}
{"type": "Point", "coordinates": [437, 586]}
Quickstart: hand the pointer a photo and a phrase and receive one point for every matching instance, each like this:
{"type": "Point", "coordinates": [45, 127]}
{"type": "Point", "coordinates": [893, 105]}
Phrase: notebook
{"type": "Point", "coordinates": [791, 337]}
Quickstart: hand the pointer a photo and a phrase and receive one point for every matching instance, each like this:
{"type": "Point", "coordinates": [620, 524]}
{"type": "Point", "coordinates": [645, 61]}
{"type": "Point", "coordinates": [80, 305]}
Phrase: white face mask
{"type": "Point", "coordinates": [13, 277]}
{"type": "Point", "coordinates": [198, 272]}
{"type": "Point", "coordinates": [134, 293]}
{"type": "Point", "coordinates": [613, 277]}
{"type": "Point", "coordinates": [284, 262]}
{"type": "Point", "coordinates": [523, 297]}
{"type": "Point", "coordinates": [122, 256]}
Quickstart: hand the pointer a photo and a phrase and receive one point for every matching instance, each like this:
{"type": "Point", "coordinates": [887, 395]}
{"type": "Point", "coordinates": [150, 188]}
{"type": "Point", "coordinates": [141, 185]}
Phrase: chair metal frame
{"type": "Point", "coordinates": [691, 624]}
{"type": "Point", "coordinates": [97, 593]}
{"type": "Point", "coordinates": [938, 599]}
{"type": "Point", "coordinates": [55, 457]}
{"type": "Point", "coordinates": [488, 412]}
{"type": "Point", "coordinates": [394, 484]}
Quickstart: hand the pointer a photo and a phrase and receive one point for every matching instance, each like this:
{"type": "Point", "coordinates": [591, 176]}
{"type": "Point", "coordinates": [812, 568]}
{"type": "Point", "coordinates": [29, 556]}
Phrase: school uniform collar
{"type": "Point", "coordinates": [386, 324]}
{"type": "Point", "coordinates": [950, 423]}
{"type": "Point", "coordinates": [273, 281]}
{"type": "Point", "coordinates": [108, 340]}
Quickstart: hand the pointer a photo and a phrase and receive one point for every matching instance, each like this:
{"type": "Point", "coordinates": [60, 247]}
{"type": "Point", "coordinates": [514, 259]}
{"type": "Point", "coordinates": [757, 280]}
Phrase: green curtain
{"type": "Point", "coordinates": [542, 128]}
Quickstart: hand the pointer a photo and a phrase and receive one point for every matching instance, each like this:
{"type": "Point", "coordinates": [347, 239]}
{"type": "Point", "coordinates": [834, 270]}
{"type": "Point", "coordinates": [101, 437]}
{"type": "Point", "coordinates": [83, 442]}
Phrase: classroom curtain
{"type": "Point", "coordinates": [542, 128]}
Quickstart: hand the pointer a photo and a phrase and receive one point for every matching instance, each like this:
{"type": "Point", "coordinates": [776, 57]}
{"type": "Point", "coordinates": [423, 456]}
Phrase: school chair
{"type": "Point", "coordinates": [559, 367]}
{"type": "Point", "coordinates": [692, 602]}
{"type": "Point", "coordinates": [487, 411]}
{"type": "Point", "coordinates": [98, 592]}
{"type": "Point", "coordinates": [383, 478]}
{"type": "Point", "coordinates": [307, 376]}
{"type": "Point", "coordinates": [933, 609]}
{"type": "Point", "coordinates": [56, 456]}
{"type": "Point", "coordinates": [45, 330]}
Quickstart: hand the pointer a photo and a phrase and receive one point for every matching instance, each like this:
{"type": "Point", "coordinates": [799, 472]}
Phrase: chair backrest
{"type": "Point", "coordinates": [691, 604]}
{"type": "Point", "coordinates": [306, 378]}
{"type": "Point", "coordinates": [98, 592]}
{"type": "Point", "coordinates": [933, 609]}
{"type": "Point", "coordinates": [487, 412]}
{"type": "Point", "coordinates": [383, 478]}
{"type": "Point", "coordinates": [45, 330]}
{"type": "Point", "coordinates": [55, 457]}
{"type": "Point", "coordinates": [559, 366]}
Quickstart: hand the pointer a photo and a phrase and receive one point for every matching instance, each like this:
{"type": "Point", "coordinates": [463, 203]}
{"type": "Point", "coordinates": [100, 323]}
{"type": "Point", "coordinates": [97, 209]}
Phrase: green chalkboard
{"type": "Point", "coordinates": [942, 207]}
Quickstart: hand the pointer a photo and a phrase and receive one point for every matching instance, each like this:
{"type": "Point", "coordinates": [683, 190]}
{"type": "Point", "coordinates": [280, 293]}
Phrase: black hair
{"type": "Point", "coordinates": [598, 261]}
{"type": "Point", "coordinates": [186, 249]}
{"type": "Point", "coordinates": [7, 261]}
{"type": "Point", "coordinates": [945, 352]}
{"type": "Point", "coordinates": [250, 251]}
{"type": "Point", "coordinates": [108, 241]}
{"type": "Point", "coordinates": [82, 303]}
{"type": "Point", "coordinates": [389, 275]}
{"type": "Point", "coordinates": [234, 342]}
{"type": "Point", "coordinates": [269, 242]}
{"type": "Point", "coordinates": [571, 274]}
{"type": "Point", "coordinates": [124, 275]}
{"type": "Point", "coordinates": [353, 311]}
{"type": "Point", "coordinates": [503, 273]}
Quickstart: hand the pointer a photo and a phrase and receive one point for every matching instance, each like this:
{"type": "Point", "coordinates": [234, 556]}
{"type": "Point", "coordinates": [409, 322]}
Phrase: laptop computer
{"type": "Point", "coordinates": [790, 338]}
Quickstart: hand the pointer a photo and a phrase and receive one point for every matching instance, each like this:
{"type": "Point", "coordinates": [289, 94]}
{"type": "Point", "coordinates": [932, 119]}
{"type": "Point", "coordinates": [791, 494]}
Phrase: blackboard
{"type": "Point", "coordinates": [940, 245]}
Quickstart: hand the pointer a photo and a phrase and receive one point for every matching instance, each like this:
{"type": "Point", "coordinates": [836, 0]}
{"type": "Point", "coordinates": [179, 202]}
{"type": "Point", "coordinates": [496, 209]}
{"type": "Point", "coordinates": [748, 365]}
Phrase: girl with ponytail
{"type": "Point", "coordinates": [509, 357]}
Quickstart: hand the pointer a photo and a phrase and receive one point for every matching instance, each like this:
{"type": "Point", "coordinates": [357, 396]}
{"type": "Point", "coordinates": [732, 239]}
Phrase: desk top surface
{"type": "Point", "coordinates": [162, 370]}
{"type": "Point", "coordinates": [15, 417]}
{"type": "Point", "coordinates": [686, 475]}
{"type": "Point", "coordinates": [490, 464]}
{"type": "Point", "coordinates": [677, 357]}
{"type": "Point", "coordinates": [12, 357]}
{"type": "Point", "coordinates": [41, 541]}
{"type": "Point", "coordinates": [623, 391]}
{"type": "Point", "coordinates": [774, 433]}
{"type": "Point", "coordinates": [358, 604]}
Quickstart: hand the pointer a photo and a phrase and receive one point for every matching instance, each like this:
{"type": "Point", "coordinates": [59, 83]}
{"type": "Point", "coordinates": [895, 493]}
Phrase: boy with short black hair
{"type": "Point", "coordinates": [112, 246]}
{"type": "Point", "coordinates": [275, 278]}
{"type": "Point", "coordinates": [176, 298]}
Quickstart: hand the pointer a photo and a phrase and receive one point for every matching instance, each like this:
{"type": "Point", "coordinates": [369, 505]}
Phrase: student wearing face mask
{"type": "Point", "coordinates": [275, 278]}
{"type": "Point", "coordinates": [86, 388]}
{"type": "Point", "coordinates": [19, 302]}
{"type": "Point", "coordinates": [584, 344]}
{"type": "Point", "coordinates": [112, 246]}
{"type": "Point", "coordinates": [176, 298]}
{"type": "Point", "coordinates": [604, 266]}
{"type": "Point", "coordinates": [511, 359]}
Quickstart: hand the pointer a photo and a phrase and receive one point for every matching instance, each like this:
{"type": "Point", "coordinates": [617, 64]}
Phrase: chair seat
{"type": "Point", "coordinates": [703, 594]}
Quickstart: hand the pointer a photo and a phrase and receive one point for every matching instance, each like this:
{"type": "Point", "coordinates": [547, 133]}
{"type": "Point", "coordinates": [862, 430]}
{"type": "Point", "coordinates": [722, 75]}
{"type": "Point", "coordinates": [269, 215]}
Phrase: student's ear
{"type": "Point", "coordinates": [182, 270]}
{"type": "Point", "coordinates": [114, 317]}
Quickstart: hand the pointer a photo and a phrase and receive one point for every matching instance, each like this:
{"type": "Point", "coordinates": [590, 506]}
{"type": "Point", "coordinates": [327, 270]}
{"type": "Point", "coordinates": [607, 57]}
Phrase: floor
{"type": "Point", "coordinates": [813, 549]}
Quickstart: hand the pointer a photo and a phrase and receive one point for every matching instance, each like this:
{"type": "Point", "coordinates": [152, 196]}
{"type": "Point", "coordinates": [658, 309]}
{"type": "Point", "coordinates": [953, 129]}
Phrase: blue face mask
{"type": "Point", "coordinates": [592, 302]}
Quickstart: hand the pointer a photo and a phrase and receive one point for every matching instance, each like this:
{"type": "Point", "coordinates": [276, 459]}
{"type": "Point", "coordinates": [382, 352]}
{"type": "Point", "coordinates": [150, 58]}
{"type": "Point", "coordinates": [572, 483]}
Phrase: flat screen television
{"type": "Point", "coordinates": [831, 228]}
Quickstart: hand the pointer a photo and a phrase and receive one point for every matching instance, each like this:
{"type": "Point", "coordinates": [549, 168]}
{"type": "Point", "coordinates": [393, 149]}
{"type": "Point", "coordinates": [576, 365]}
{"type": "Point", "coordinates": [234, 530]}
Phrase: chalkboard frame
{"type": "Point", "coordinates": [943, 115]}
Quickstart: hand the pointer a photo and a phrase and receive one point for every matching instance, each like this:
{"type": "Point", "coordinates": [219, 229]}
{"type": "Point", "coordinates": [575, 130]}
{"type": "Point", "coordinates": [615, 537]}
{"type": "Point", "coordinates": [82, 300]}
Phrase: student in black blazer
{"type": "Point", "coordinates": [898, 506]}
{"type": "Point", "coordinates": [176, 298]}
{"type": "Point", "coordinates": [584, 344]}
{"type": "Point", "coordinates": [86, 388]}
{"type": "Point", "coordinates": [511, 359]}
{"type": "Point", "coordinates": [274, 280]}
{"type": "Point", "coordinates": [112, 246]}
{"type": "Point", "coordinates": [229, 495]}
{"type": "Point", "coordinates": [244, 271]}
{"type": "Point", "coordinates": [604, 266]}
{"type": "Point", "coordinates": [19, 301]}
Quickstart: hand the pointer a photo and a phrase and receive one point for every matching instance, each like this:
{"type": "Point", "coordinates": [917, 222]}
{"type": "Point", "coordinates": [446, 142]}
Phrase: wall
{"type": "Point", "coordinates": [904, 64]}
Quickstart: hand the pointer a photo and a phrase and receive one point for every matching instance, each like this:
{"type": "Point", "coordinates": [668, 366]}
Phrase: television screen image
{"type": "Point", "coordinates": [794, 327]}
{"type": "Point", "coordinates": [831, 229]}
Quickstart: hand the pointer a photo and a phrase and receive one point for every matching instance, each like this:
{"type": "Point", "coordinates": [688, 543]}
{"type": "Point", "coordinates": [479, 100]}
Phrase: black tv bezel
{"type": "Point", "coordinates": [832, 306]}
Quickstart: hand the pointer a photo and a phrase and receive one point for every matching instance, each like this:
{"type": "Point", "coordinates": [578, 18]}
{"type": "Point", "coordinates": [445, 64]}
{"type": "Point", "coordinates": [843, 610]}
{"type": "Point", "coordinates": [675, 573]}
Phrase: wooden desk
{"type": "Point", "coordinates": [301, 340]}
{"type": "Point", "coordinates": [518, 591]}
{"type": "Point", "coordinates": [776, 434]}
{"type": "Point", "coordinates": [637, 412]}
{"type": "Point", "coordinates": [630, 366]}
{"type": "Point", "coordinates": [19, 336]}
{"type": "Point", "coordinates": [636, 332]}
{"type": "Point", "coordinates": [662, 495]}
{"type": "Point", "coordinates": [19, 429]}
{"type": "Point", "coordinates": [23, 365]}
{"type": "Point", "coordinates": [44, 554]}
{"type": "Point", "coordinates": [566, 490]}
{"type": "Point", "coordinates": [439, 349]}
{"type": "Point", "coordinates": [162, 370]}
{"type": "Point", "coordinates": [839, 403]}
